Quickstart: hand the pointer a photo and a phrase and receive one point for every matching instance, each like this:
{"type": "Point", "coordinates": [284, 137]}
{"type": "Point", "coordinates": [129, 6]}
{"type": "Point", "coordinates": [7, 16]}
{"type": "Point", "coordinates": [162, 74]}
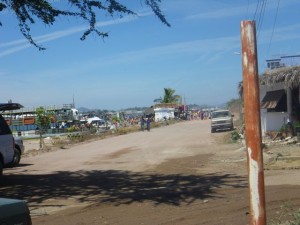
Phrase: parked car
{"type": "Point", "coordinates": [221, 120]}
{"type": "Point", "coordinates": [7, 143]}
{"type": "Point", "coordinates": [14, 211]}
{"type": "Point", "coordinates": [18, 151]}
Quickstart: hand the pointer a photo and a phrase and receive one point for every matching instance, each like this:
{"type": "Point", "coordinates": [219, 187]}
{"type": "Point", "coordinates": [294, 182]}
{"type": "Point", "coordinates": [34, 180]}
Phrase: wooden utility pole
{"type": "Point", "coordinates": [253, 124]}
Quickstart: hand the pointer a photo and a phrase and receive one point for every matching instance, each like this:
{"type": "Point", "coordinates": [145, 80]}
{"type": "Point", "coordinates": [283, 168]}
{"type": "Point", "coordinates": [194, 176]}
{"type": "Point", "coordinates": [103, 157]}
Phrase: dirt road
{"type": "Point", "coordinates": [178, 174]}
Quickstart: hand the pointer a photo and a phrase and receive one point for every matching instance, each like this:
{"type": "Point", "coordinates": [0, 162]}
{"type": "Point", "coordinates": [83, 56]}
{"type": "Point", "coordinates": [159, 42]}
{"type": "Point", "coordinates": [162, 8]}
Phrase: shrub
{"type": "Point", "coordinates": [286, 216]}
{"type": "Point", "coordinates": [235, 136]}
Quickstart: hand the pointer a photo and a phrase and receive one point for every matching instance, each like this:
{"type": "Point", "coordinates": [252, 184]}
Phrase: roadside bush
{"type": "Point", "coordinates": [79, 137]}
{"type": "Point", "coordinates": [286, 216]}
{"type": "Point", "coordinates": [59, 142]}
{"type": "Point", "coordinates": [125, 130]}
{"type": "Point", "coordinates": [235, 136]}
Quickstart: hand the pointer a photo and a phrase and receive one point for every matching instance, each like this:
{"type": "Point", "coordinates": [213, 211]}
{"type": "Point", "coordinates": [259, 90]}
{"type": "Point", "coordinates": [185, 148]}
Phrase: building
{"type": "Point", "coordinates": [280, 98]}
{"type": "Point", "coordinates": [163, 111]}
{"type": "Point", "coordinates": [283, 61]}
{"type": "Point", "coordinates": [24, 119]}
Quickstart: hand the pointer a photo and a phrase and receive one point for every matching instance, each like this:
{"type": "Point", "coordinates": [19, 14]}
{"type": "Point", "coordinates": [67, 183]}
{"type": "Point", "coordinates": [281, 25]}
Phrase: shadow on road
{"type": "Point", "coordinates": [117, 187]}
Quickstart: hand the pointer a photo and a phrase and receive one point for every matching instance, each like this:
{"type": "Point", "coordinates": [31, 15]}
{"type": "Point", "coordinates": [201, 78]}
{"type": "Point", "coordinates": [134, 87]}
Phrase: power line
{"type": "Point", "coordinates": [261, 15]}
{"type": "Point", "coordinates": [275, 20]}
{"type": "Point", "coordinates": [257, 6]}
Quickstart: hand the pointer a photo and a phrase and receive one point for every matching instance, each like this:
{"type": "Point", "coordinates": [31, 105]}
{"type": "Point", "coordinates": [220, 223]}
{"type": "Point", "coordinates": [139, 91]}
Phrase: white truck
{"type": "Point", "coordinates": [221, 120]}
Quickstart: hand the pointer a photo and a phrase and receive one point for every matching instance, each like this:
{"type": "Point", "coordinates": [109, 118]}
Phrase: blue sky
{"type": "Point", "coordinates": [196, 56]}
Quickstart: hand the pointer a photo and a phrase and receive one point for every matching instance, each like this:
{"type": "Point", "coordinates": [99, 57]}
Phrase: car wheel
{"type": "Point", "coordinates": [1, 168]}
{"type": "Point", "coordinates": [17, 157]}
{"type": "Point", "coordinates": [213, 130]}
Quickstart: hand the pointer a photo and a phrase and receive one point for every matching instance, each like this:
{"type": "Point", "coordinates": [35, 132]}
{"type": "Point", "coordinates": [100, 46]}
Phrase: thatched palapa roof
{"type": "Point", "coordinates": [290, 76]}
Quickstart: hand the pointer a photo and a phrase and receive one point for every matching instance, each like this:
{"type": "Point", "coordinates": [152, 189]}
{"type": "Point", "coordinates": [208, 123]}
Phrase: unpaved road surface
{"type": "Point", "coordinates": [178, 174]}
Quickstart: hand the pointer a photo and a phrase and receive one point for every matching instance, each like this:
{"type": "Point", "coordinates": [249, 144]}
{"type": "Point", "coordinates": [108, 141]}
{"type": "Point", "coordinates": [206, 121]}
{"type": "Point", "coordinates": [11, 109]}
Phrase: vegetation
{"type": "Point", "coordinates": [169, 97]}
{"type": "Point", "coordinates": [43, 120]}
{"type": "Point", "coordinates": [234, 102]}
{"type": "Point", "coordinates": [235, 136]}
{"type": "Point", "coordinates": [48, 12]}
{"type": "Point", "coordinates": [286, 216]}
{"type": "Point", "coordinates": [78, 137]}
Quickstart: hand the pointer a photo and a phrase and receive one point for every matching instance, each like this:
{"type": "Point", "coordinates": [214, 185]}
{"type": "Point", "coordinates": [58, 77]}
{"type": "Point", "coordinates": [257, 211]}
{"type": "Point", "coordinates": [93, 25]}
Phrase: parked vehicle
{"type": "Point", "coordinates": [7, 143]}
{"type": "Point", "coordinates": [14, 211]}
{"type": "Point", "coordinates": [18, 151]}
{"type": "Point", "coordinates": [221, 120]}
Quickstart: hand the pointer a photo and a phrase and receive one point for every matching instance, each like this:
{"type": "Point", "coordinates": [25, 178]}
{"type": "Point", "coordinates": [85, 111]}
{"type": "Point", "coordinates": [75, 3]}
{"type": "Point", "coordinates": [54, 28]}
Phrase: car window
{"type": "Point", "coordinates": [4, 128]}
{"type": "Point", "coordinates": [220, 114]}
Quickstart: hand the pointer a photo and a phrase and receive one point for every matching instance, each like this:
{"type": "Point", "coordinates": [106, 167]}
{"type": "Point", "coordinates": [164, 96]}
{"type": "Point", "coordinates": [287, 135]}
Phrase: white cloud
{"type": "Point", "coordinates": [19, 45]}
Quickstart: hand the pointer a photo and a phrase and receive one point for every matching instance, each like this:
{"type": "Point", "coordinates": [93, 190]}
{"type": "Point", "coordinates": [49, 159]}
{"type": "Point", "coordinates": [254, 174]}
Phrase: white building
{"type": "Point", "coordinates": [280, 98]}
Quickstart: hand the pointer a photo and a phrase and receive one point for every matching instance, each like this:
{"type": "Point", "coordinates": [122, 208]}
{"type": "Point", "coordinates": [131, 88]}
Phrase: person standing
{"type": "Point", "coordinates": [148, 124]}
{"type": "Point", "coordinates": [142, 123]}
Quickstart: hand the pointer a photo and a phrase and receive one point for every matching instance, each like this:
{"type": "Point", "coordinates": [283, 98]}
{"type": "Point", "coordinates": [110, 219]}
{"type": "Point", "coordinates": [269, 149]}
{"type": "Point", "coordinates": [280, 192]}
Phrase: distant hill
{"type": "Point", "coordinates": [84, 110]}
{"type": "Point", "coordinates": [190, 106]}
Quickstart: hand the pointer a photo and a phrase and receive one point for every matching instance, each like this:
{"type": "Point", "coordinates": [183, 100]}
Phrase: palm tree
{"type": "Point", "coordinates": [170, 97]}
{"type": "Point", "coordinates": [157, 100]}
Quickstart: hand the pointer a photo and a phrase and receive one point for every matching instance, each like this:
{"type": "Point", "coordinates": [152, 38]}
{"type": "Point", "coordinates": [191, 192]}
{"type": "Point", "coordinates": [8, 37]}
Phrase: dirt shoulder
{"type": "Point", "coordinates": [179, 174]}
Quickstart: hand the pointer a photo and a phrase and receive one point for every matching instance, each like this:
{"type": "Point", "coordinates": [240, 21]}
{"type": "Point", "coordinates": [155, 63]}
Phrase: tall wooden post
{"type": "Point", "coordinates": [253, 124]}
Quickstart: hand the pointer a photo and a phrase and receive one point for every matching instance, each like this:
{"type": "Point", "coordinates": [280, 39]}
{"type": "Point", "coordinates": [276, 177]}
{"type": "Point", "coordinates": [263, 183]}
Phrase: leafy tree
{"type": "Point", "coordinates": [157, 100]}
{"type": "Point", "coordinates": [233, 102]}
{"type": "Point", "coordinates": [43, 120]}
{"type": "Point", "coordinates": [28, 12]}
{"type": "Point", "coordinates": [169, 97]}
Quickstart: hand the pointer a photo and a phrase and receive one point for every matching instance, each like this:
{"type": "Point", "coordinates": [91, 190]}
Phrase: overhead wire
{"type": "Point", "coordinates": [273, 29]}
{"type": "Point", "coordinates": [257, 6]}
{"type": "Point", "coordinates": [261, 16]}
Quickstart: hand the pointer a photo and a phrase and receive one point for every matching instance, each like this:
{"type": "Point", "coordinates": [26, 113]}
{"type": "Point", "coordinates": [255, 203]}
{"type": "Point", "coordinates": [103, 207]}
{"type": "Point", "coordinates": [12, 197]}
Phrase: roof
{"type": "Point", "coordinates": [271, 99]}
{"type": "Point", "coordinates": [166, 105]}
{"type": "Point", "coordinates": [9, 106]}
{"type": "Point", "coordinates": [290, 76]}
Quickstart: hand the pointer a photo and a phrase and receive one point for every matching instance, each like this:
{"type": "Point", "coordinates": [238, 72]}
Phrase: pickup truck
{"type": "Point", "coordinates": [221, 120]}
{"type": "Point", "coordinates": [14, 212]}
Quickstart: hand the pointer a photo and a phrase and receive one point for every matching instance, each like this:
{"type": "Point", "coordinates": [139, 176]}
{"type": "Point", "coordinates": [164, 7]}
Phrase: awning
{"type": "Point", "coordinates": [272, 99]}
{"type": "Point", "coordinates": [10, 106]}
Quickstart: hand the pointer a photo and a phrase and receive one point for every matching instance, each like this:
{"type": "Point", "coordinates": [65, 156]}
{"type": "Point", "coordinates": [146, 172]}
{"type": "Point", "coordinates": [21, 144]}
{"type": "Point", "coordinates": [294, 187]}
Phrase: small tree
{"type": "Point", "coordinates": [43, 120]}
{"type": "Point", "coordinates": [170, 97]}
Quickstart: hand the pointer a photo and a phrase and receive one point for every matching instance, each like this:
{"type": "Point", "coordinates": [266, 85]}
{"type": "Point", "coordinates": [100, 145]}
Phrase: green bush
{"type": "Point", "coordinates": [235, 136]}
{"type": "Point", "coordinates": [286, 216]}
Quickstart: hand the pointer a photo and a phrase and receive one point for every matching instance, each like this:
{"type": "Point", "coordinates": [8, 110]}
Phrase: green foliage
{"type": "Point", "coordinates": [169, 96]}
{"type": "Point", "coordinates": [296, 125]}
{"type": "Point", "coordinates": [116, 119]}
{"type": "Point", "coordinates": [43, 118]}
{"type": "Point", "coordinates": [286, 216]}
{"type": "Point", "coordinates": [232, 102]}
{"type": "Point", "coordinates": [283, 128]}
{"type": "Point", "coordinates": [47, 12]}
{"type": "Point", "coordinates": [73, 129]}
{"type": "Point", "coordinates": [235, 136]}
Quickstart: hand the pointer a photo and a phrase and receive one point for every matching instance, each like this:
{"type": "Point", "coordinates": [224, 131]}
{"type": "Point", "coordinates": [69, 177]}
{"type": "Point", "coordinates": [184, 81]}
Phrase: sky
{"type": "Point", "coordinates": [198, 56]}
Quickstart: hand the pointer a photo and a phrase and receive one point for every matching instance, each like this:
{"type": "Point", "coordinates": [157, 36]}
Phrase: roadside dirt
{"type": "Point", "coordinates": [178, 174]}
